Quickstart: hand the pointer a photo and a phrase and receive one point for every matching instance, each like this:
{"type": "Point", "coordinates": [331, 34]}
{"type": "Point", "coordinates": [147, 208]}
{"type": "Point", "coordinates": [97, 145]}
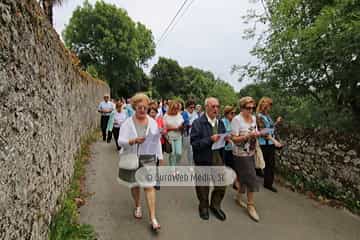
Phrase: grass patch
{"type": "Point", "coordinates": [65, 224]}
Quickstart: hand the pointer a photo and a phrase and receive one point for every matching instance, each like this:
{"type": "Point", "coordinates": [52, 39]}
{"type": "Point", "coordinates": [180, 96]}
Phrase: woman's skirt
{"type": "Point", "coordinates": [245, 171]}
{"type": "Point", "coordinates": [128, 178]}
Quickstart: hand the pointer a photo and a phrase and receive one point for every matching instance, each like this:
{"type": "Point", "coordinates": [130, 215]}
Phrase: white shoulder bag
{"type": "Point", "coordinates": [128, 160]}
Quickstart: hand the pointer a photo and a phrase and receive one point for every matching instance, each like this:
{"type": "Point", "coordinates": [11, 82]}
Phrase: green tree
{"type": "Point", "coordinates": [224, 92]}
{"type": "Point", "coordinates": [105, 37]}
{"type": "Point", "coordinates": [168, 78]}
{"type": "Point", "coordinates": [198, 82]}
{"type": "Point", "coordinates": [311, 49]}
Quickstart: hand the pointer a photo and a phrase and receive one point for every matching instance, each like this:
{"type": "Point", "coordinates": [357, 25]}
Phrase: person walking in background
{"type": "Point", "coordinates": [159, 109]}
{"type": "Point", "coordinates": [116, 119]}
{"type": "Point", "coordinates": [105, 108]}
{"type": "Point", "coordinates": [186, 117]}
{"type": "Point", "coordinates": [131, 139]}
{"type": "Point", "coordinates": [199, 110]}
{"type": "Point", "coordinates": [229, 114]}
{"type": "Point", "coordinates": [267, 143]}
{"type": "Point", "coordinates": [153, 113]}
{"type": "Point", "coordinates": [164, 107]}
{"type": "Point", "coordinates": [244, 134]}
{"type": "Point", "coordinates": [204, 133]}
{"type": "Point", "coordinates": [174, 125]}
{"type": "Point", "coordinates": [129, 108]}
{"type": "Point", "coordinates": [190, 110]}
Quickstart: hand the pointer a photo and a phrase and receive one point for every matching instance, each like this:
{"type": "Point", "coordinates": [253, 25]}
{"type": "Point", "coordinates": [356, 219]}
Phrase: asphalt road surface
{"type": "Point", "coordinates": [284, 215]}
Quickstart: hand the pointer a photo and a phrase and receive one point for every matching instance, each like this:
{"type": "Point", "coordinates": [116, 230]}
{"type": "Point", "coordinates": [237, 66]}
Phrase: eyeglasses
{"type": "Point", "coordinates": [233, 113]}
{"type": "Point", "coordinates": [249, 108]}
{"type": "Point", "coordinates": [215, 106]}
{"type": "Point", "coordinates": [142, 108]}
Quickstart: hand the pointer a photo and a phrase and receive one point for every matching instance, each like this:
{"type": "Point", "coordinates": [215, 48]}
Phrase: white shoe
{"type": "Point", "coordinates": [155, 226]}
{"type": "Point", "coordinates": [239, 201]}
{"type": "Point", "coordinates": [138, 213]}
{"type": "Point", "coordinates": [252, 212]}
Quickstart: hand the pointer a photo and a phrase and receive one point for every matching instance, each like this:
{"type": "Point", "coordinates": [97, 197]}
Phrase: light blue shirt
{"type": "Point", "coordinates": [227, 124]}
{"type": "Point", "coordinates": [129, 110]}
{"type": "Point", "coordinates": [269, 125]}
{"type": "Point", "coordinates": [106, 105]}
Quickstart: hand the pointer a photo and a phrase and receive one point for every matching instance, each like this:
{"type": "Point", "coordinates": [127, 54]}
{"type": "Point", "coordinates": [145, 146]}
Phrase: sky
{"type": "Point", "coordinates": [207, 36]}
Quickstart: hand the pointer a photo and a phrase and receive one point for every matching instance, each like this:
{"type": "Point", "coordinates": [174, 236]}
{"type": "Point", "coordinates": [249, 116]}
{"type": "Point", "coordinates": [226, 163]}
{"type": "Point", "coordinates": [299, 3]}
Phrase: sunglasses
{"type": "Point", "coordinates": [233, 113]}
{"type": "Point", "coordinates": [249, 108]}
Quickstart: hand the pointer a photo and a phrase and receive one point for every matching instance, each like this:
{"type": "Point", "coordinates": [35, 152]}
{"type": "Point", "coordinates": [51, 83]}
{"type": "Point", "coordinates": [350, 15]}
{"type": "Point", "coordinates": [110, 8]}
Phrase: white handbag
{"type": "Point", "coordinates": [259, 157]}
{"type": "Point", "coordinates": [128, 160]}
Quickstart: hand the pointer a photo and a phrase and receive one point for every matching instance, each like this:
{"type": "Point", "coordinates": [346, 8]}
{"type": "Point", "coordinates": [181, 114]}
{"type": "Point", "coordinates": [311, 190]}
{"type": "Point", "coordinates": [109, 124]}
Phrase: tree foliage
{"type": "Point", "coordinates": [311, 49]}
{"type": "Point", "coordinates": [170, 79]}
{"type": "Point", "coordinates": [105, 37]}
{"type": "Point", "coordinates": [300, 110]}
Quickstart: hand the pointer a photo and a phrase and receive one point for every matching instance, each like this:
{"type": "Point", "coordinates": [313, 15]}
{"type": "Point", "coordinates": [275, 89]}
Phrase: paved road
{"type": "Point", "coordinates": [285, 215]}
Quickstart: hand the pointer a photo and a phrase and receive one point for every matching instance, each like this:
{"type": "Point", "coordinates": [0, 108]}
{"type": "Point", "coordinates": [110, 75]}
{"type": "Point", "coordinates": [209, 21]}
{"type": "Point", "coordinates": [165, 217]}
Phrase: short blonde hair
{"type": "Point", "coordinates": [172, 107]}
{"type": "Point", "coordinates": [139, 97]}
{"type": "Point", "coordinates": [263, 103]}
{"type": "Point", "coordinates": [245, 100]}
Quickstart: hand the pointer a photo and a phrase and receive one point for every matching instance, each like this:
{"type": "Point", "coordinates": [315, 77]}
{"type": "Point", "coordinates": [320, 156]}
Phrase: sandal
{"type": "Point", "coordinates": [155, 226]}
{"type": "Point", "coordinates": [138, 213]}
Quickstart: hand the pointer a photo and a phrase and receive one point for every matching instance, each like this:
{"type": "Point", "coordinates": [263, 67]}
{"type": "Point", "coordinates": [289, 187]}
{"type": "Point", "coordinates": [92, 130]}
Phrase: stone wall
{"type": "Point", "coordinates": [323, 159]}
{"type": "Point", "coordinates": [46, 105]}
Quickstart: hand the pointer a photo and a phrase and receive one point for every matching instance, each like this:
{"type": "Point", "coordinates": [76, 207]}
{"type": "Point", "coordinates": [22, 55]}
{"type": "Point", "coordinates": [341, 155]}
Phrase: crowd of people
{"type": "Point", "coordinates": [145, 129]}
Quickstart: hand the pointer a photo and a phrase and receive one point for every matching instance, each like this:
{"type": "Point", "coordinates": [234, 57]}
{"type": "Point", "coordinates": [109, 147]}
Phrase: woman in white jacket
{"type": "Point", "coordinates": [132, 136]}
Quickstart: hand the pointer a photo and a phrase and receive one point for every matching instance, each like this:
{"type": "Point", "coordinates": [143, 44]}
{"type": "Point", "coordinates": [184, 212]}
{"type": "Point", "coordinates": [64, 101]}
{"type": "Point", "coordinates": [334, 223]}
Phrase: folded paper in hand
{"type": "Point", "coordinates": [221, 142]}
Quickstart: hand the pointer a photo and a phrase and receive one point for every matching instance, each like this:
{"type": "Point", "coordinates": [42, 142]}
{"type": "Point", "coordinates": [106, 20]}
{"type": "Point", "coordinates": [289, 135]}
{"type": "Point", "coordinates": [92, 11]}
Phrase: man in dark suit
{"type": "Point", "coordinates": [205, 131]}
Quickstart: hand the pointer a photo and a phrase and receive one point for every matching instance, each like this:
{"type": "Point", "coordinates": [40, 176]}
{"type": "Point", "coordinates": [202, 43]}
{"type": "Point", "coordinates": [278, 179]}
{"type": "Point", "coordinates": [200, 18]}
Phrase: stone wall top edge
{"type": "Point", "coordinates": [33, 8]}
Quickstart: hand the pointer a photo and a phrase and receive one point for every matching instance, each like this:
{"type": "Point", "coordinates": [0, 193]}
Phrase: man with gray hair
{"type": "Point", "coordinates": [105, 108]}
{"type": "Point", "coordinates": [205, 131]}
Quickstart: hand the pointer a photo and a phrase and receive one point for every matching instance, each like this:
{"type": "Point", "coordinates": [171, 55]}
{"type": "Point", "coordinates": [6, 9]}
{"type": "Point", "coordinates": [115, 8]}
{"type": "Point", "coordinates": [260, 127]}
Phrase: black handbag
{"type": "Point", "coordinates": [168, 147]}
{"type": "Point", "coordinates": [147, 160]}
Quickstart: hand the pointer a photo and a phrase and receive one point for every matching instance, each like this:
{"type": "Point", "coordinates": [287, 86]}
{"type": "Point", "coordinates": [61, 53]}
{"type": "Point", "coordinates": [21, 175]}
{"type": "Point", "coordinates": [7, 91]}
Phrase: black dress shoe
{"type": "Point", "coordinates": [219, 214]}
{"type": "Point", "coordinates": [271, 188]}
{"type": "Point", "coordinates": [204, 213]}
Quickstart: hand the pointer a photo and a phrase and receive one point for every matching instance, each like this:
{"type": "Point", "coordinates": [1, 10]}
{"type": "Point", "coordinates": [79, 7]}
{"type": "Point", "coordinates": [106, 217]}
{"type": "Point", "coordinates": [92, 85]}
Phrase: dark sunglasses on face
{"type": "Point", "coordinates": [250, 108]}
{"type": "Point", "coordinates": [233, 113]}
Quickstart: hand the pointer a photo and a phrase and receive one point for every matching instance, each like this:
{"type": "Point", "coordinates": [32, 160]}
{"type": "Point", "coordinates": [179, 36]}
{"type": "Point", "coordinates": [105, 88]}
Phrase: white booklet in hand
{"type": "Point", "coordinates": [221, 142]}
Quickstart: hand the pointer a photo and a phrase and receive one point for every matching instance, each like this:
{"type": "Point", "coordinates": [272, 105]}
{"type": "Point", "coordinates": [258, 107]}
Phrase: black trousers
{"type": "Point", "coordinates": [115, 132]}
{"type": "Point", "coordinates": [269, 158]}
{"type": "Point", "coordinates": [217, 195]}
{"type": "Point", "coordinates": [103, 124]}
